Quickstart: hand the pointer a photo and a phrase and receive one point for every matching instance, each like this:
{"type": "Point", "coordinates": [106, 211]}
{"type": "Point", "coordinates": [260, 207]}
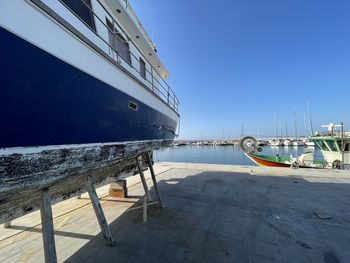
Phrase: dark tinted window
{"type": "Point", "coordinates": [331, 144]}
{"type": "Point", "coordinates": [118, 42]}
{"type": "Point", "coordinates": [82, 8]}
{"type": "Point", "coordinates": [346, 145]}
{"type": "Point", "coordinates": [142, 68]}
{"type": "Point", "coordinates": [322, 145]}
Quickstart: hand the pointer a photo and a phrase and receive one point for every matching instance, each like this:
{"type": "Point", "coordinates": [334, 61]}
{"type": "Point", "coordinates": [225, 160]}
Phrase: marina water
{"type": "Point", "coordinates": [223, 154]}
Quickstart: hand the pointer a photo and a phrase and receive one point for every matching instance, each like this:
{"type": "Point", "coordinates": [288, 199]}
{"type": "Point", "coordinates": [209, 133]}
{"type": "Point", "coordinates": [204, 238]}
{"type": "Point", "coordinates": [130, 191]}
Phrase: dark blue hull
{"type": "Point", "coordinates": [45, 101]}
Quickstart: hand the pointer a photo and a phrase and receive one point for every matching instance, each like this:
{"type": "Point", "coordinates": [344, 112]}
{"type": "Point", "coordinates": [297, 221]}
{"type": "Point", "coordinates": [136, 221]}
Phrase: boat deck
{"type": "Point", "coordinates": [214, 213]}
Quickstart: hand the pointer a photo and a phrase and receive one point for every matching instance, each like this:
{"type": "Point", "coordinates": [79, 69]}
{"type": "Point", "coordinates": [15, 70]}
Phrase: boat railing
{"type": "Point", "coordinates": [150, 77]}
{"type": "Point", "coordinates": [138, 22]}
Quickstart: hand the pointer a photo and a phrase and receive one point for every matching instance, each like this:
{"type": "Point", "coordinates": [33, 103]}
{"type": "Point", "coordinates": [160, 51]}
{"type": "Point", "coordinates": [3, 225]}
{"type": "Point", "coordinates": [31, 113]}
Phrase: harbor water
{"type": "Point", "coordinates": [223, 154]}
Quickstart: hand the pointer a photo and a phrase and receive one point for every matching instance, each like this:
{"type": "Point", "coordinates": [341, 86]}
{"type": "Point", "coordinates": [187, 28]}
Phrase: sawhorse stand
{"type": "Point", "coordinates": [46, 209]}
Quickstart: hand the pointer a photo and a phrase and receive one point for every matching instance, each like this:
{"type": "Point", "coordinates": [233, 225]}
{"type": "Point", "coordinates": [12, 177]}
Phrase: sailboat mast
{"type": "Point", "coordinates": [276, 125]}
{"type": "Point", "coordinates": [295, 124]}
{"type": "Point", "coordinates": [305, 125]}
{"type": "Point", "coordinates": [310, 122]}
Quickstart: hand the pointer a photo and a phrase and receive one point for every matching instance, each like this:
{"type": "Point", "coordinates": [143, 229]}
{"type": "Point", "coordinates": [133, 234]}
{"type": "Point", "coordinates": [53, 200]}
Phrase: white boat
{"type": "Point", "coordinates": [277, 142]}
{"type": "Point", "coordinates": [298, 143]}
{"type": "Point", "coordinates": [287, 142]}
{"type": "Point", "coordinates": [308, 142]}
{"type": "Point", "coordinates": [335, 146]}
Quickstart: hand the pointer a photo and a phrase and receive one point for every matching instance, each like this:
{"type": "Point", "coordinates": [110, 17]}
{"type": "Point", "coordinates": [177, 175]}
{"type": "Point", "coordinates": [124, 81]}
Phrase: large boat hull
{"type": "Point", "coordinates": [46, 101]}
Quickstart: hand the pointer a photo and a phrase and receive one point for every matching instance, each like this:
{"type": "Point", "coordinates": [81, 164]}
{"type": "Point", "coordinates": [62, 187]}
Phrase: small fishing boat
{"type": "Point", "coordinates": [298, 143]}
{"type": "Point", "coordinates": [277, 142]}
{"type": "Point", "coordinates": [306, 160]}
{"type": "Point", "coordinates": [287, 142]}
{"type": "Point", "coordinates": [267, 160]}
{"type": "Point", "coordinates": [334, 146]}
{"type": "Point", "coordinates": [303, 161]}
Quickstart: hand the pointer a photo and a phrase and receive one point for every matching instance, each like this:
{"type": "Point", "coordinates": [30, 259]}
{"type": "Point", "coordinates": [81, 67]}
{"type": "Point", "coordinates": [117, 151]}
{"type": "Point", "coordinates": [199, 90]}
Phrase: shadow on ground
{"type": "Point", "coordinates": [231, 217]}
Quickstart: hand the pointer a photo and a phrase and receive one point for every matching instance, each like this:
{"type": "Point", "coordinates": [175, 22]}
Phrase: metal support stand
{"type": "Point", "coordinates": [107, 234]}
{"type": "Point", "coordinates": [155, 184]}
{"type": "Point", "coordinates": [47, 227]}
{"type": "Point", "coordinates": [143, 180]}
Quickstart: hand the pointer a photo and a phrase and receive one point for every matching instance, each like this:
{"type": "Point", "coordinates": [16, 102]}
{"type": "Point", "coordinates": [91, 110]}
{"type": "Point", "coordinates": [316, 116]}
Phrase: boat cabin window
{"type": "Point", "coordinates": [142, 68]}
{"type": "Point", "coordinates": [332, 145]}
{"type": "Point", "coordinates": [118, 42]}
{"type": "Point", "coordinates": [322, 145]}
{"type": "Point", "coordinates": [346, 145]}
{"type": "Point", "coordinates": [82, 9]}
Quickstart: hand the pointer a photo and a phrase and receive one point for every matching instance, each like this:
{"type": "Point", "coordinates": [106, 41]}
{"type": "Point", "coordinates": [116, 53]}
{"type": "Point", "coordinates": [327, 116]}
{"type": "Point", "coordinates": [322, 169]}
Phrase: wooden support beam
{"type": "Point", "coordinates": [107, 234]}
{"type": "Point", "coordinates": [154, 179]}
{"type": "Point", "coordinates": [143, 180]}
{"type": "Point", "coordinates": [144, 208]}
{"type": "Point", "coordinates": [47, 227]}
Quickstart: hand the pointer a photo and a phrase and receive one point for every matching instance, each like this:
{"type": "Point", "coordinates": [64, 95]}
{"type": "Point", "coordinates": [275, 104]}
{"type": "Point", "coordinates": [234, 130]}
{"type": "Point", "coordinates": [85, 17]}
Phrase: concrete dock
{"type": "Point", "coordinates": [213, 213]}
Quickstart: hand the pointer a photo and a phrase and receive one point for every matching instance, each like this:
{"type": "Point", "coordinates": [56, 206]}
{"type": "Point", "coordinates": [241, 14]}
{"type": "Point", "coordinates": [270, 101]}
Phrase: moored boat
{"type": "Point", "coordinates": [82, 91]}
{"type": "Point", "coordinates": [298, 142]}
{"type": "Point", "coordinates": [335, 146]}
{"type": "Point", "coordinates": [303, 161]}
{"type": "Point", "coordinates": [306, 160]}
{"type": "Point", "coordinates": [287, 142]}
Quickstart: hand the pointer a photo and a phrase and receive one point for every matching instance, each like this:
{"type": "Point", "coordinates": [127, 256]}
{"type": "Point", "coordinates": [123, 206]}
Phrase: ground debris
{"type": "Point", "coordinates": [322, 214]}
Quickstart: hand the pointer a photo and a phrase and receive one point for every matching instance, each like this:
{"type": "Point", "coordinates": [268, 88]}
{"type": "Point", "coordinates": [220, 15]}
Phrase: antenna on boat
{"type": "Point", "coordinates": [342, 142]}
{"type": "Point", "coordinates": [310, 122]}
{"type": "Point", "coordinates": [305, 125]}
{"type": "Point", "coordinates": [295, 123]}
{"type": "Point", "coordinates": [275, 117]}
{"type": "Point", "coordinates": [242, 131]}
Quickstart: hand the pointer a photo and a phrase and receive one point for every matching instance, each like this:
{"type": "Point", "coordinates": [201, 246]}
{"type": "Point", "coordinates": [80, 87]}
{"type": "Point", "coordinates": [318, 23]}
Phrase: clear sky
{"type": "Point", "coordinates": [239, 61]}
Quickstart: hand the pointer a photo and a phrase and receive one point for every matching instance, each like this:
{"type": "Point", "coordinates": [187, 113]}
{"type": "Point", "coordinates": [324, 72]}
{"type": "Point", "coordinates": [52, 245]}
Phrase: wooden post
{"type": "Point", "coordinates": [47, 227]}
{"type": "Point", "coordinates": [154, 179]}
{"type": "Point", "coordinates": [107, 234]}
{"type": "Point", "coordinates": [144, 208]}
{"type": "Point", "coordinates": [143, 180]}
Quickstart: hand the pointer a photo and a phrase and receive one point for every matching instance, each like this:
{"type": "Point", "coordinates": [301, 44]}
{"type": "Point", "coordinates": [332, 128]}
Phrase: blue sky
{"type": "Point", "coordinates": [239, 61]}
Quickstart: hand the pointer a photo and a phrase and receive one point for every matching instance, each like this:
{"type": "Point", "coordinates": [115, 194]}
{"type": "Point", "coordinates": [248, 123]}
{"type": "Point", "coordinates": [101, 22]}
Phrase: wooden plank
{"type": "Point", "coordinates": [154, 179]}
{"type": "Point", "coordinates": [47, 227]}
{"type": "Point", "coordinates": [107, 234]}
{"type": "Point", "coordinates": [142, 176]}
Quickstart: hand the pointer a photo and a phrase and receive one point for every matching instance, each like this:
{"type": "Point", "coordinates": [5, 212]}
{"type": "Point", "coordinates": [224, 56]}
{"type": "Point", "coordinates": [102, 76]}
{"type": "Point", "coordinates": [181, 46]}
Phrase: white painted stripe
{"type": "Point", "coordinates": [26, 21]}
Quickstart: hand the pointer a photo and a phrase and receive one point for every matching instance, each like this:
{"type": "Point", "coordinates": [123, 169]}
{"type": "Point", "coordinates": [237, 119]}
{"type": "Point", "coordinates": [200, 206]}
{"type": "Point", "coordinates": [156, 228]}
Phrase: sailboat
{"type": "Point", "coordinates": [277, 141]}
{"type": "Point", "coordinates": [296, 142]}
